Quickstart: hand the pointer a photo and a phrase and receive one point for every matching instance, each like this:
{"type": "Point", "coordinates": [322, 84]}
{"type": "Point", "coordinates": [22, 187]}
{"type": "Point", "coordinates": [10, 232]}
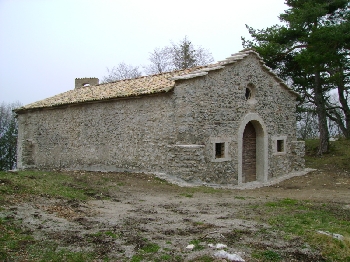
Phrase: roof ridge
{"type": "Point", "coordinates": [158, 74]}
{"type": "Point", "coordinates": [144, 85]}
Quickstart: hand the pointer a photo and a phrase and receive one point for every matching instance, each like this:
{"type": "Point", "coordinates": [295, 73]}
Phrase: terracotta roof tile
{"type": "Point", "coordinates": [124, 88]}
{"type": "Point", "coordinates": [139, 86]}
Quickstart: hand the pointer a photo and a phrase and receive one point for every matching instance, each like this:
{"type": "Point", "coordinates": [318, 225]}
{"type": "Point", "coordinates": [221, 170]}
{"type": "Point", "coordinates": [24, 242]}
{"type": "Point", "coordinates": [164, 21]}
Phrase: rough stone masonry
{"type": "Point", "coordinates": [190, 124]}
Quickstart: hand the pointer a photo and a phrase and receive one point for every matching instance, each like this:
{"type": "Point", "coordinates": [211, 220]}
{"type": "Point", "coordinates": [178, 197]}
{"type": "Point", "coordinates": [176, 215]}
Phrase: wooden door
{"type": "Point", "coordinates": [249, 154]}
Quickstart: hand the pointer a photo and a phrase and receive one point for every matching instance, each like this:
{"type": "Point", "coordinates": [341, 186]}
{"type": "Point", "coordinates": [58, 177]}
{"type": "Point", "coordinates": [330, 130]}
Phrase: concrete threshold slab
{"type": "Point", "coordinates": [250, 185]}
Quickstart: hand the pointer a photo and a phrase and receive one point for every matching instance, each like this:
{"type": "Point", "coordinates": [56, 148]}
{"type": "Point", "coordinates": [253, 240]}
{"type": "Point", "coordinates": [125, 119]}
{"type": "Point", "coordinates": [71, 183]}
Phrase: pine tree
{"type": "Point", "coordinates": [311, 50]}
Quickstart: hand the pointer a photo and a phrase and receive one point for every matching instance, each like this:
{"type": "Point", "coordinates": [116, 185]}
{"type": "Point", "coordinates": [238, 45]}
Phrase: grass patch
{"type": "Point", "coordinates": [337, 158]}
{"type": "Point", "coordinates": [304, 219]}
{"type": "Point", "coordinates": [17, 245]}
{"type": "Point", "coordinates": [45, 183]}
{"type": "Point", "coordinates": [150, 248]}
{"type": "Point", "coordinates": [267, 255]}
{"type": "Point", "coordinates": [165, 257]}
{"type": "Point", "coordinates": [204, 258]}
{"type": "Point", "coordinates": [161, 181]}
{"type": "Point", "coordinates": [111, 234]}
{"type": "Point", "coordinates": [240, 197]}
{"type": "Point", "coordinates": [80, 186]}
{"type": "Point", "coordinates": [186, 195]}
{"type": "Point", "coordinates": [136, 258]}
{"type": "Point", "coordinates": [284, 203]}
{"type": "Point", "coordinates": [197, 245]}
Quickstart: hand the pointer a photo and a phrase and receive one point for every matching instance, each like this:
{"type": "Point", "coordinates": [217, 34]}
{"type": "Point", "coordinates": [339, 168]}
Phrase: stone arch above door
{"type": "Point", "coordinates": [261, 147]}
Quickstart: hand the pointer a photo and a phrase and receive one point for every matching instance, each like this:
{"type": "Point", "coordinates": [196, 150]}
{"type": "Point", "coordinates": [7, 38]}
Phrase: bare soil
{"type": "Point", "coordinates": [143, 210]}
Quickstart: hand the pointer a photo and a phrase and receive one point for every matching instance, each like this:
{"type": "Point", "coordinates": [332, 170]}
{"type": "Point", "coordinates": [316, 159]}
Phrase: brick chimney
{"type": "Point", "coordinates": [87, 81]}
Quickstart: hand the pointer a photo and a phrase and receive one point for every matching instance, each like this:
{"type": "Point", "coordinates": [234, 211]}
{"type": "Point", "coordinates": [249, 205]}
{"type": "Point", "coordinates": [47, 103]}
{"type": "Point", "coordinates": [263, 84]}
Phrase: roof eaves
{"type": "Point", "coordinates": [100, 99]}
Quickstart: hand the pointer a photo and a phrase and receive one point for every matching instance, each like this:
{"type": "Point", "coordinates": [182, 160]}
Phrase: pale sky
{"type": "Point", "coordinates": [46, 44]}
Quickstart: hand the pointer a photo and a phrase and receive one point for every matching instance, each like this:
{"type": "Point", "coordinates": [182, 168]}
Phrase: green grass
{"type": "Point", "coordinates": [136, 258]}
{"type": "Point", "coordinates": [204, 258]}
{"type": "Point", "coordinates": [197, 245]}
{"type": "Point", "coordinates": [150, 248]}
{"type": "Point", "coordinates": [18, 245]}
{"type": "Point", "coordinates": [240, 197]}
{"type": "Point", "coordinates": [186, 195]}
{"type": "Point", "coordinates": [267, 255]}
{"type": "Point", "coordinates": [79, 186]}
{"type": "Point", "coordinates": [45, 183]}
{"type": "Point", "coordinates": [290, 217]}
{"type": "Point", "coordinates": [337, 158]}
{"type": "Point", "coordinates": [304, 219]}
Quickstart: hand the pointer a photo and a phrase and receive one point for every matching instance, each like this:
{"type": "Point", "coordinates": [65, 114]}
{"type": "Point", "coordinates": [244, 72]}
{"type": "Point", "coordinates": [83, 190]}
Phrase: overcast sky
{"type": "Point", "coordinates": [46, 44]}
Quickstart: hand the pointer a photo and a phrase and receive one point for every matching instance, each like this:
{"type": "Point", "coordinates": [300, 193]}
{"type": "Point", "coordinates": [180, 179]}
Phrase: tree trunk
{"type": "Point", "coordinates": [345, 108]}
{"type": "Point", "coordinates": [321, 115]}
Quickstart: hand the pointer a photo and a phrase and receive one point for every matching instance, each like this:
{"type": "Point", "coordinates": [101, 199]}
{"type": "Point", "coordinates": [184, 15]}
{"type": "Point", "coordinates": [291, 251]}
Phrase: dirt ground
{"type": "Point", "coordinates": [144, 210]}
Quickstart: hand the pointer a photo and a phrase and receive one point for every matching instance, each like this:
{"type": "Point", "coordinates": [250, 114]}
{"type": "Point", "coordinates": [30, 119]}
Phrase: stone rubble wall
{"type": "Point", "coordinates": [214, 106]}
{"type": "Point", "coordinates": [126, 135]}
{"type": "Point", "coordinates": [171, 133]}
{"type": "Point", "coordinates": [297, 159]}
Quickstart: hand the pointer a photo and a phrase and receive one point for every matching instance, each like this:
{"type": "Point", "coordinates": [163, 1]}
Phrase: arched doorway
{"type": "Point", "coordinates": [249, 154]}
{"type": "Point", "coordinates": [252, 149]}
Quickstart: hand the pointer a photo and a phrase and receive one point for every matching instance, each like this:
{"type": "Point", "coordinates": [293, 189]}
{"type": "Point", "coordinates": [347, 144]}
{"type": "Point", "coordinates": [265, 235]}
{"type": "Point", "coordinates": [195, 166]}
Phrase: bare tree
{"type": "Point", "coordinates": [338, 106]}
{"type": "Point", "coordinates": [186, 55]}
{"type": "Point", "coordinates": [307, 121]}
{"type": "Point", "coordinates": [122, 71]}
{"type": "Point", "coordinates": [160, 60]}
{"type": "Point", "coordinates": [178, 56]}
{"type": "Point", "coordinates": [8, 136]}
{"type": "Point", "coordinates": [307, 125]}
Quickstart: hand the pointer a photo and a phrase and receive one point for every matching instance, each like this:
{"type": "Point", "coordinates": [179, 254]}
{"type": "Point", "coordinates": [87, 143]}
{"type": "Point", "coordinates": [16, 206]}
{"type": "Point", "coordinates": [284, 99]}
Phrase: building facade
{"type": "Point", "coordinates": [232, 122]}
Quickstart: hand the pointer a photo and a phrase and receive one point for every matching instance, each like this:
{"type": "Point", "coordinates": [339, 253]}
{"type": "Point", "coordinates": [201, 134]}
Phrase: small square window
{"type": "Point", "coordinates": [280, 146]}
{"type": "Point", "coordinates": [219, 150]}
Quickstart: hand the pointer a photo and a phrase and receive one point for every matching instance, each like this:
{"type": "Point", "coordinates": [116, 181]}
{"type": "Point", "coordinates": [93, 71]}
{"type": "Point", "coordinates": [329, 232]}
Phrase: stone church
{"type": "Point", "coordinates": [230, 123]}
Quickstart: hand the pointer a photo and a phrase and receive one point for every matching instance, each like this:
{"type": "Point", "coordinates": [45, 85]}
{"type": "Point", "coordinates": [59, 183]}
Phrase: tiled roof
{"type": "Point", "coordinates": [136, 87]}
{"type": "Point", "coordinates": [124, 88]}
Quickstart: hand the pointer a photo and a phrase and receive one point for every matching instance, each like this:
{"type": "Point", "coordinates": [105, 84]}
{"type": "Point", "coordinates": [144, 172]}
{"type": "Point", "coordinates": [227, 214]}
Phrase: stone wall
{"type": "Point", "coordinates": [214, 106]}
{"type": "Point", "coordinates": [297, 159]}
{"type": "Point", "coordinates": [173, 133]}
{"type": "Point", "coordinates": [129, 134]}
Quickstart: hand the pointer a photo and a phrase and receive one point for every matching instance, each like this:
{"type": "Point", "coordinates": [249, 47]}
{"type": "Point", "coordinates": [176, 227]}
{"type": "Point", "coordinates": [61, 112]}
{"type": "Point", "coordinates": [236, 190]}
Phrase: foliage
{"type": "Point", "coordinates": [8, 136]}
{"type": "Point", "coordinates": [311, 51]}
